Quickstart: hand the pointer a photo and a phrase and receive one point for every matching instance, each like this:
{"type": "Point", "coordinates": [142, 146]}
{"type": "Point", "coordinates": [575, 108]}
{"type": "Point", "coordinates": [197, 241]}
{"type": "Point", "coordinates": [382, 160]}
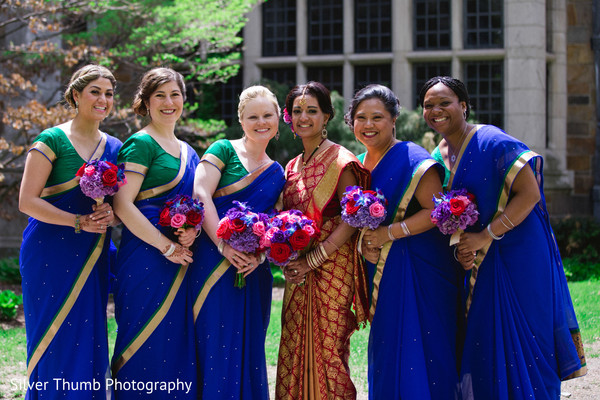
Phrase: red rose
{"type": "Point", "coordinates": [194, 218]}
{"type": "Point", "coordinates": [112, 166]}
{"type": "Point", "coordinates": [81, 171]}
{"type": "Point", "coordinates": [299, 240]}
{"type": "Point", "coordinates": [223, 229]}
{"type": "Point", "coordinates": [471, 197]}
{"type": "Point", "coordinates": [370, 192]}
{"type": "Point", "coordinates": [280, 252]}
{"type": "Point", "coordinates": [237, 225]}
{"type": "Point", "coordinates": [165, 217]}
{"type": "Point", "coordinates": [109, 178]}
{"type": "Point", "coordinates": [351, 208]}
{"type": "Point", "coordinates": [457, 206]}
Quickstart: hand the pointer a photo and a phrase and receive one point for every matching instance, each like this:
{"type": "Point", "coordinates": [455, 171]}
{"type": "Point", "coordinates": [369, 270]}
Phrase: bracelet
{"type": "Point", "coordinates": [333, 244]}
{"type": "Point", "coordinates": [390, 234]}
{"type": "Point", "coordinates": [404, 228]}
{"type": "Point", "coordinates": [198, 232]}
{"type": "Point", "coordinates": [169, 252]}
{"type": "Point", "coordinates": [489, 229]}
{"type": "Point", "coordinates": [221, 246]}
{"type": "Point", "coordinates": [316, 257]}
{"type": "Point", "coordinates": [77, 223]}
{"type": "Point", "coordinates": [508, 219]}
{"type": "Point", "coordinates": [503, 223]}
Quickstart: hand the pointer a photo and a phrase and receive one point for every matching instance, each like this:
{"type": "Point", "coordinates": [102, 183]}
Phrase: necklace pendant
{"type": "Point", "coordinates": [453, 158]}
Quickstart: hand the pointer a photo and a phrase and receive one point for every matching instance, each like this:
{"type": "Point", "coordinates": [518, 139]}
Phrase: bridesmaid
{"type": "Point", "coordinates": [155, 336]}
{"type": "Point", "coordinates": [64, 256]}
{"type": "Point", "coordinates": [231, 322]}
{"type": "Point", "coordinates": [414, 284]}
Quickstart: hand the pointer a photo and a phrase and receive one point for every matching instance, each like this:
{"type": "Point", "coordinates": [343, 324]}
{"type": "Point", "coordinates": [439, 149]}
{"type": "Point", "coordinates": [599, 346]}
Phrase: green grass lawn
{"type": "Point", "coordinates": [585, 295]}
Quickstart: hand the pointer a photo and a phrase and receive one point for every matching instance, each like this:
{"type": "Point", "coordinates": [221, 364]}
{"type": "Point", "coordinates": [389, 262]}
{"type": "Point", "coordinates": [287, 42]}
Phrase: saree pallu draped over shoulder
{"type": "Point", "coordinates": [414, 294]}
{"type": "Point", "coordinates": [230, 322]}
{"type": "Point", "coordinates": [154, 351]}
{"type": "Point", "coordinates": [317, 319]}
{"type": "Point", "coordinates": [522, 335]}
{"type": "Point", "coordinates": [65, 292]}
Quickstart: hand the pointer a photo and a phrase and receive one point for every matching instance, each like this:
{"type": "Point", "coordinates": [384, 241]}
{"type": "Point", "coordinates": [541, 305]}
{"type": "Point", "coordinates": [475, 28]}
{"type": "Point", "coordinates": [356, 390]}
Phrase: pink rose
{"type": "Point", "coordinates": [264, 241]}
{"type": "Point", "coordinates": [269, 234]}
{"type": "Point", "coordinates": [177, 220]}
{"type": "Point", "coordinates": [309, 229]}
{"type": "Point", "coordinates": [258, 228]}
{"type": "Point", "coordinates": [376, 210]}
{"type": "Point", "coordinates": [89, 170]}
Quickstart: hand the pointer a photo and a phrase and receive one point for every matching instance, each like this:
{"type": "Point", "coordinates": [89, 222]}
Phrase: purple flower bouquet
{"type": "Point", "coordinates": [243, 229]}
{"type": "Point", "coordinates": [101, 178]}
{"type": "Point", "coordinates": [453, 212]}
{"type": "Point", "coordinates": [182, 211]}
{"type": "Point", "coordinates": [363, 208]}
{"type": "Point", "coordinates": [289, 232]}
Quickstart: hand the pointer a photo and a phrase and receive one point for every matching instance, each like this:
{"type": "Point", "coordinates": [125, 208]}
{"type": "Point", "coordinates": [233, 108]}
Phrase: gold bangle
{"type": "Point", "coordinates": [77, 223]}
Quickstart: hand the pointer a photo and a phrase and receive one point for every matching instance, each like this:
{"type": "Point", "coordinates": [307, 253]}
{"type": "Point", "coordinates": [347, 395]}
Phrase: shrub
{"type": "Point", "coordinates": [278, 279]}
{"type": "Point", "coordinates": [9, 304]}
{"type": "Point", "coordinates": [578, 241]}
{"type": "Point", "coordinates": [9, 270]}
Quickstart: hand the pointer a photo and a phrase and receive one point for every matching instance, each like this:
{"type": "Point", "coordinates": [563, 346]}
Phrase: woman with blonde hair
{"type": "Point", "coordinates": [231, 322]}
{"type": "Point", "coordinates": [64, 255]}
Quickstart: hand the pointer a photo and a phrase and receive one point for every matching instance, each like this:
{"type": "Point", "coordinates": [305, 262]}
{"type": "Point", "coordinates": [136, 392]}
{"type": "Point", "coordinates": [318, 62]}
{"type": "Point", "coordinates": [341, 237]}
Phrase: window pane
{"type": "Point", "coordinates": [366, 74]}
{"type": "Point", "coordinates": [432, 25]}
{"type": "Point", "coordinates": [331, 77]}
{"type": "Point", "coordinates": [279, 28]}
{"type": "Point", "coordinates": [484, 81]}
{"type": "Point", "coordinates": [422, 72]}
{"type": "Point", "coordinates": [325, 26]}
{"type": "Point", "coordinates": [373, 26]}
{"type": "Point", "coordinates": [483, 24]}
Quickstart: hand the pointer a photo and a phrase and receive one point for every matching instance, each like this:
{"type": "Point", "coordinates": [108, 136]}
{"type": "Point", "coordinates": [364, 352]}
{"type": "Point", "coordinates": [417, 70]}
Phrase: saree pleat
{"type": "Point", "coordinates": [65, 293]}
{"type": "Point", "coordinates": [323, 306]}
{"type": "Point", "coordinates": [520, 323]}
{"type": "Point", "coordinates": [153, 310]}
{"type": "Point", "coordinates": [414, 292]}
{"type": "Point", "coordinates": [230, 322]}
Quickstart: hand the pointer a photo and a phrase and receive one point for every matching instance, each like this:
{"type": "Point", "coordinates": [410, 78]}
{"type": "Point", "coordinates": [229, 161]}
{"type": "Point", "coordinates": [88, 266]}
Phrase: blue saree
{"type": "Point", "coordinates": [65, 285]}
{"type": "Point", "coordinates": [230, 322]}
{"type": "Point", "coordinates": [522, 336]}
{"type": "Point", "coordinates": [154, 351]}
{"type": "Point", "coordinates": [414, 294]}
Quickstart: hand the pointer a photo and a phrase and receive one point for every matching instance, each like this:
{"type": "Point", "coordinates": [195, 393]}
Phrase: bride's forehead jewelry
{"type": "Point", "coordinates": [302, 100]}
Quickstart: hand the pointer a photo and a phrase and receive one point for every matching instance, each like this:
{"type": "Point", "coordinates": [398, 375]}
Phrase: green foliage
{"type": "Point", "coordinates": [579, 271]}
{"type": "Point", "coordinates": [9, 304]}
{"type": "Point", "coordinates": [578, 239]}
{"type": "Point", "coordinates": [278, 279]}
{"type": "Point", "coordinates": [9, 270]}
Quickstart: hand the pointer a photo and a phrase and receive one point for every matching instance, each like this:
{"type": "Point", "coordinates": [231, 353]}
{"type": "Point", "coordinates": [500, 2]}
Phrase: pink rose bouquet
{"type": "Point", "coordinates": [98, 179]}
{"type": "Point", "coordinates": [453, 212]}
{"type": "Point", "coordinates": [244, 230]}
{"type": "Point", "coordinates": [289, 232]}
{"type": "Point", "coordinates": [182, 211]}
{"type": "Point", "coordinates": [363, 208]}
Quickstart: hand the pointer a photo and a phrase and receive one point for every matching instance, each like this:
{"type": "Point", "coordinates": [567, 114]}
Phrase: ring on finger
{"type": "Point", "coordinates": [108, 212]}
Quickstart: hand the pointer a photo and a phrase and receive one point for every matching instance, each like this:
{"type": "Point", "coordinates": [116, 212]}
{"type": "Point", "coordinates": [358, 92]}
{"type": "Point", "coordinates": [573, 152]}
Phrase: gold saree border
{"type": "Point", "coordinates": [398, 216]}
{"type": "Point", "coordinates": [155, 191]}
{"type": "Point", "coordinates": [325, 189]}
{"type": "Point", "coordinates": [578, 341]}
{"type": "Point", "coordinates": [461, 152]}
{"type": "Point", "coordinates": [213, 278]}
{"type": "Point", "coordinates": [60, 188]}
{"type": "Point", "coordinates": [135, 167]}
{"type": "Point", "coordinates": [151, 325]}
{"type": "Point", "coordinates": [242, 183]}
{"type": "Point", "coordinates": [45, 150]}
{"type": "Point", "coordinates": [509, 179]}
{"type": "Point", "coordinates": [214, 160]}
{"type": "Point", "coordinates": [66, 307]}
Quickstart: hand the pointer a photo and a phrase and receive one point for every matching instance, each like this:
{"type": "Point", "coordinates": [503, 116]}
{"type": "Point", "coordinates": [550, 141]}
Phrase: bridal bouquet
{"type": "Point", "coordinates": [244, 230]}
{"type": "Point", "coordinates": [363, 208]}
{"type": "Point", "coordinates": [182, 211]}
{"type": "Point", "coordinates": [289, 232]}
{"type": "Point", "coordinates": [101, 178]}
{"type": "Point", "coordinates": [453, 212]}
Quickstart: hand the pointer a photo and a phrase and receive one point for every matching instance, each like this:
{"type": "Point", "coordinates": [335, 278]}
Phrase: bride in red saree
{"type": "Point", "coordinates": [322, 285]}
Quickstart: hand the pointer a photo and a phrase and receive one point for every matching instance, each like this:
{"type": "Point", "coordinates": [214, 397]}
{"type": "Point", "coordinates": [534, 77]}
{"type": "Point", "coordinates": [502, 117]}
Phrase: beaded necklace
{"type": "Point", "coordinates": [311, 154]}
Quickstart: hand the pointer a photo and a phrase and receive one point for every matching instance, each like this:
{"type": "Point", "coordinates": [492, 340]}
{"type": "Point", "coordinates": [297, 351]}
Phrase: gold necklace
{"type": "Point", "coordinates": [311, 154]}
{"type": "Point", "coordinates": [462, 139]}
